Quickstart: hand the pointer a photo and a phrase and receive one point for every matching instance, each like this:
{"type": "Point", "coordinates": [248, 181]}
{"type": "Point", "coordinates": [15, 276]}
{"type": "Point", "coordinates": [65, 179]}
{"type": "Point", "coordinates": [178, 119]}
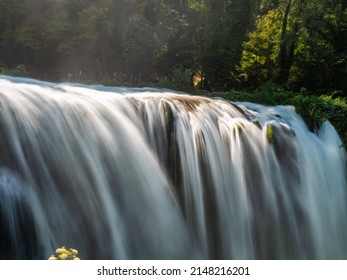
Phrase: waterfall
{"type": "Point", "coordinates": [128, 173]}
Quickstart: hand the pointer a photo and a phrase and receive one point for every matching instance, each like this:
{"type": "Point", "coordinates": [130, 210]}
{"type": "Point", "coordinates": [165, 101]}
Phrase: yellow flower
{"type": "Point", "coordinates": [63, 256]}
{"type": "Point", "coordinates": [73, 251]}
{"type": "Point", "coordinates": [52, 258]}
{"type": "Point", "coordinates": [60, 250]}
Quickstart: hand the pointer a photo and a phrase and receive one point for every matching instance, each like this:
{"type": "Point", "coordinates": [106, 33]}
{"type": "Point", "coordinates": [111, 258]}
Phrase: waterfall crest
{"type": "Point", "coordinates": [122, 173]}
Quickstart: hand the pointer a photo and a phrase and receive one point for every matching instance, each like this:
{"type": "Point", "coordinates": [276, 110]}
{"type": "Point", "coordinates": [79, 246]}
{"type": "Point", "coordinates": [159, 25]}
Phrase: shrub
{"type": "Point", "coordinates": [19, 70]}
{"type": "Point", "coordinates": [312, 108]}
{"type": "Point", "coordinates": [179, 79]}
{"type": "Point", "coordinates": [64, 254]}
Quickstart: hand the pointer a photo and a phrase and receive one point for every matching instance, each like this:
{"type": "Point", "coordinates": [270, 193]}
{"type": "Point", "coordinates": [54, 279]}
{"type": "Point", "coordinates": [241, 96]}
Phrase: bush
{"type": "Point", "coordinates": [179, 79]}
{"type": "Point", "coordinates": [312, 108]}
{"type": "Point", "coordinates": [19, 70]}
{"type": "Point", "coordinates": [64, 254]}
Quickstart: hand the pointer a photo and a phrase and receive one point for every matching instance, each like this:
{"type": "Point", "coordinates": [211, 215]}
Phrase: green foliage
{"type": "Point", "coordinates": [259, 57]}
{"type": "Point", "coordinates": [228, 44]}
{"type": "Point", "coordinates": [312, 108]}
{"type": "Point", "coordinates": [19, 70]}
{"type": "Point", "coordinates": [321, 63]}
{"type": "Point", "coordinates": [226, 24]}
{"type": "Point", "coordinates": [64, 254]}
{"type": "Point", "coordinates": [299, 44]}
{"type": "Point", "coordinates": [179, 79]}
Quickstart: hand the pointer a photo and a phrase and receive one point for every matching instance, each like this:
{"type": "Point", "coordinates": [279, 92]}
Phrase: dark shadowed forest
{"type": "Point", "coordinates": [216, 45]}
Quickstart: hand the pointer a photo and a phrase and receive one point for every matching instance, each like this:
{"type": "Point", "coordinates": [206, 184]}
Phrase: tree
{"type": "Point", "coordinates": [289, 39]}
{"type": "Point", "coordinates": [179, 38]}
{"type": "Point", "coordinates": [259, 61]}
{"type": "Point", "coordinates": [228, 43]}
{"type": "Point", "coordinates": [226, 24]}
{"type": "Point", "coordinates": [321, 63]}
{"type": "Point", "coordinates": [299, 44]}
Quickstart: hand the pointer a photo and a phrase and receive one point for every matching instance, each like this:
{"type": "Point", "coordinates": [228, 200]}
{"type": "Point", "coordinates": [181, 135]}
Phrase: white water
{"type": "Point", "coordinates": [121, 173]}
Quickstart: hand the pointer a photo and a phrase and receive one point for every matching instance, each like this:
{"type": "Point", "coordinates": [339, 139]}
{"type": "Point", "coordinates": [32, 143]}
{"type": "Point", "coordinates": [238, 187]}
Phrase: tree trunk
{"type": "Point", "coordinates": [284, 73]}
{"type": "Point", "coordinates": [288, 43]}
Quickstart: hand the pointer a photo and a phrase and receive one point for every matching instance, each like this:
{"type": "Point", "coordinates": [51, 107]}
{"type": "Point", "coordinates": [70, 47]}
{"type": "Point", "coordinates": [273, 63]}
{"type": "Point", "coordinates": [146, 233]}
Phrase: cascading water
{"type": "Point", "coordinates": [123, 173]}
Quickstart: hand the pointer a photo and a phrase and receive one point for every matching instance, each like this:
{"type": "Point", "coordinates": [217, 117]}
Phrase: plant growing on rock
{"type": "Point", "coordinates": [64, 254]}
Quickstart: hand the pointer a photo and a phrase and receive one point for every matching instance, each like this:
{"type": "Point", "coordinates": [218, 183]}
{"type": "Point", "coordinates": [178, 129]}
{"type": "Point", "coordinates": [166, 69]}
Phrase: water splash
{"type": "Point", "coordinates": [122, 173]}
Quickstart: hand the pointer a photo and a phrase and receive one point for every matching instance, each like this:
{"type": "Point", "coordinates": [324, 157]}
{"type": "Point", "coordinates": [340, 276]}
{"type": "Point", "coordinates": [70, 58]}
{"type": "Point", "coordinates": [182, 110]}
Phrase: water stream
{"type": "Point", "coordinates": [124, 173]}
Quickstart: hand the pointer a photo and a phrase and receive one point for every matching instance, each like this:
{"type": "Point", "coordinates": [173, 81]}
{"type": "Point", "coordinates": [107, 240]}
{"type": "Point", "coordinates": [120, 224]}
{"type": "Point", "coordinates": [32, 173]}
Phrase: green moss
{"type": "Point", "coordinates": [269, 134]}
{"type": "Point", "coordinates": [239, 128]}
{"type": "Point", "coordinates": [257, 124]}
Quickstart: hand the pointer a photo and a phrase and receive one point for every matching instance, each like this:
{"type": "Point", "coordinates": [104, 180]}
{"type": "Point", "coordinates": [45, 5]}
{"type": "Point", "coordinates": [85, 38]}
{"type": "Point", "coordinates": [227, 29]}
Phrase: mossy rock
{"type": "Point", "coordinates": [257, 124]}
{"type": "Point", "coordinates": [270, 134]}
{"type": "Point", "coordinates": [239, 128]}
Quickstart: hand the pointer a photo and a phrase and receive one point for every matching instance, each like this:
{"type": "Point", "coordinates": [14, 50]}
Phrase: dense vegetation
{"type": "Point", "coordinates": [217, 44]}
{"type": "Point", "coordinates": [314, 109]}
{"type": "Point", "coordinates": [214, 45]}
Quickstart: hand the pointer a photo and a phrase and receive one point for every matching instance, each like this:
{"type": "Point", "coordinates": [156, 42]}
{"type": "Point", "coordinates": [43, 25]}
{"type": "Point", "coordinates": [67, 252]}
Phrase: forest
{"type": "Point", "coordinates": [144, 172]}
{"type": "Point", "coordinates": [216, 45]}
